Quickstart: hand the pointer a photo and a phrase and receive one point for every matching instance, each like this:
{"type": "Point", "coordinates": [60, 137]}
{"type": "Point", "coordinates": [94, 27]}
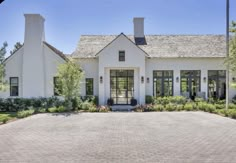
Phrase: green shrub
{"type": "Point", "coordinates": [148, 99]}
{"type": "Point", "coordinates": [179, 107]}
{"type": "Point", "coordinates": [219, 106]}
{"type": "Point", "coordinates": [211, 108]}
{"type": "Point", "coordinates": [223, 112]}
{"type": "Point", "coordinates": [232, 113]}
{"type": "Point", "coordinates": [178, 100]}
{"type": "Point", "coordinates": [188, 107]}
{"type": "Point", "coordinates": [5, 119]}
{"type": "Point", "coordinates": [170, 107]}
{"type": "Point", "coordinates": [25, 113]}
{"type": "Point", "coordinates": [232, 106]}
{"type": "Point", "coordinates": [220, 102]}
{"type": "Point", "coordinates": [198, 99]}
{"type": "Point", "coordinates": [202, 106]}
{"type": "Point", "coordinates": [41, 110]}
{"type": "Point", "coordinates": [86, 105]}
{"type": "Point", "coordinates": [234, 99]}
{"type": "Point", "coordinates": [162, 100]}
{"type": "Point", "coordinates": [93, 109]}
{"type": "Point", "coordinates": [158, 107]}
{"type": "Point", "coordinates": [61, 109]}
{"type": "Point", "coordinates": [52, 110]}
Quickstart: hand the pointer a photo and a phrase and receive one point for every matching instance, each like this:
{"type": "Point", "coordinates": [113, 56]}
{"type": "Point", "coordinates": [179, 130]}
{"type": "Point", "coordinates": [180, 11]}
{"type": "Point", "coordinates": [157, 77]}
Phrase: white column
{"type": "Point", "coordinates": [177, 83]}
{"type": "Point", "coordinates": [101, 86]}
{"type": "Point", "coordinates": [204, 74]}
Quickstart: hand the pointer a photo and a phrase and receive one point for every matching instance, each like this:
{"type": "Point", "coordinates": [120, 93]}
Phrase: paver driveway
{"type": "Point", "coordinates": [120, 137]}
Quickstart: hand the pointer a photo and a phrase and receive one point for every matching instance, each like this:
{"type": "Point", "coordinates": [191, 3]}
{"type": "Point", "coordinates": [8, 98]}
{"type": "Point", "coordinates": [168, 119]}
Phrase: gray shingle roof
{"type": "Point", "coordinates": [164, 46]}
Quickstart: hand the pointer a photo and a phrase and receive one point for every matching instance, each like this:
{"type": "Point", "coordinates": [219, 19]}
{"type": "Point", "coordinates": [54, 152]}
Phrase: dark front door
{"type": "Point", "coordinates": [121, 86]}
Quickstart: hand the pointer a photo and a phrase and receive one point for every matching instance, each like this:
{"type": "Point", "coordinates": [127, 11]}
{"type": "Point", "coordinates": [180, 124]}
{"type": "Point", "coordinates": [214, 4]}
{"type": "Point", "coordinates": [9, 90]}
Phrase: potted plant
{"type": "Point", "coordinates": [110, 102]}
{"type": "Point", "coordinates": [133, 102]}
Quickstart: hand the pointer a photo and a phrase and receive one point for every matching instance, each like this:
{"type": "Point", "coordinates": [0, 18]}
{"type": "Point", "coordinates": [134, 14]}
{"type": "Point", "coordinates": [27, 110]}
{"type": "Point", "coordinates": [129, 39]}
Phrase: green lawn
{"type": "Point", "coordinates": [8, 115]}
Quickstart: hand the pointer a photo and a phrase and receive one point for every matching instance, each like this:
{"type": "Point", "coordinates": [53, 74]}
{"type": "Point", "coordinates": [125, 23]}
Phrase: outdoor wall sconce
{"type": "Point", "coordinates": [204, 79]}
{"type": "Point", "coordinates": [147, 80]}
{"type": "Point", "coordinates": [177, 79]}
{"type": "Point", "coordinates": [142, 79]}
{"type": "Point", "coordinates": [233, 79]}
{"type": "Point", "coordinates": [101, 79]}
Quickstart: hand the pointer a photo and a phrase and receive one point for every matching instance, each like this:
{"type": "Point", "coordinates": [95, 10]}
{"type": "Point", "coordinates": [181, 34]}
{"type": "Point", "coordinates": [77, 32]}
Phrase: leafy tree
{"type": "Point", "coordinates": [2, 71]}
{"type": "Point", "coordinates": [69, 78]}
{"type": "Point", "coordinates": [17, 46]}
{"type": "Point", "coordinates": [232, 49]}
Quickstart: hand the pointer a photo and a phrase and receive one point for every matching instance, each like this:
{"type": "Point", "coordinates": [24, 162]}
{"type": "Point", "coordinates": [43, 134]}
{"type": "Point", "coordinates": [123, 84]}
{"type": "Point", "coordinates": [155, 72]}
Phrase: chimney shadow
{"type": "Point", "coordinates": [140, 41]}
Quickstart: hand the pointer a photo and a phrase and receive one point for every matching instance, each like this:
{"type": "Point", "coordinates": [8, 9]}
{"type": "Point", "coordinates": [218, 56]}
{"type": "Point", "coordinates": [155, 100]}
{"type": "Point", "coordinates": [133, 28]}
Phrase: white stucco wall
{"type": "Point", "coordinates": [51, 62]}
{"type": "Point", "coordinates": [90, 69]}
{"type": "Point", "coordinates": [109, 59]}
{"type": "Point", "coordinates": [13, 68]}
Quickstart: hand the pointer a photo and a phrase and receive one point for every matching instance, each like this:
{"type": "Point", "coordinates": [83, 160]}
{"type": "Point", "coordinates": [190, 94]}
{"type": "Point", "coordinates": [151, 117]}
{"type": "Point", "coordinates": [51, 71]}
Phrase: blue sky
{"type": "Point", "coordinates": [66, 20]}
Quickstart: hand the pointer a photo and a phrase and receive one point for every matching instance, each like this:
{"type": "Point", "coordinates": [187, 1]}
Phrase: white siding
{"type": "Point", "coordinates": [109, 59]}
{"type": "Point", "coordinates": [90, 69]}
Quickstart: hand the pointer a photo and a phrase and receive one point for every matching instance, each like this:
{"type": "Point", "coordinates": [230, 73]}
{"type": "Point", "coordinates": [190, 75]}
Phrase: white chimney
{"type": "Point", "coordinates": [33, 57]}
{"type": "Point", "coordinates": [138, 27]}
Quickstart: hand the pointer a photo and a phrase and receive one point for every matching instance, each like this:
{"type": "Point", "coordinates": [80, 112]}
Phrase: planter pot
{"type": "Point", "coordinates": [110, 102]}
{"type": "Point", "coordinates": [133, 102]}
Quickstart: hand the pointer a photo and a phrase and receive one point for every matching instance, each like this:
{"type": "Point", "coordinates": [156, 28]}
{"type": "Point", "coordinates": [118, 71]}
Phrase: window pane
{"type": "Point", "coordinates": [14, 86]}
{"type": "Point", "coordinates": [121, 55]}
{"type": "Point", "coordinates": [163, 83]}
{"type": "Point", "coordinates": [57, 86]}
{"type": "Point", "coordinates": [89, 86]}
{"type": "Point", "coordinates": [190, 82]}
{"type": "Point", "coordinates": [222, 73]}
{"type": "Point", "coordinates": [216, 83]}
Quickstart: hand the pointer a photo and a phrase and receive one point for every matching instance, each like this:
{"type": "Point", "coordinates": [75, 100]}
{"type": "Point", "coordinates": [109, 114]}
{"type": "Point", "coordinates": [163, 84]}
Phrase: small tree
{"type": "Point", "coordinates": [17, 46]}
{"type": "Point", "coordinates": [2, 70]}
{"type": "Point", "coordinates": [69, 78]}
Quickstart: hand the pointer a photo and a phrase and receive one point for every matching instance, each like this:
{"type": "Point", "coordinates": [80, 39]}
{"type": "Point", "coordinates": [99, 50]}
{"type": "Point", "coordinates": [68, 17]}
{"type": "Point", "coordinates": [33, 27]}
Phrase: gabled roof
{"type": "Point", "coordinates": [58, 52]}
{"type": "Point", "coordinates": [122, 34]}
{"type": "Point", "coordinates": [12, 54]}
{"type": "Point", "coordinates": [162, 46]}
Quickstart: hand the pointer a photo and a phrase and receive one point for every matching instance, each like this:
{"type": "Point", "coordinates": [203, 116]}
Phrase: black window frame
{"type": "Point", "coordinates": [193, 74]}
{"type": "Point", "coordinates": [86, 87]}
{"type": "Point", "coordinates": [121, 56]}
{"type": "Point", "coordinates": [217, 78]}
{"type": "Point", "coordinates": [11, 93]}
{"type": "Point", "coordinates": [57, 90]}
{"type": "Point", "coordinates": [163, 77]}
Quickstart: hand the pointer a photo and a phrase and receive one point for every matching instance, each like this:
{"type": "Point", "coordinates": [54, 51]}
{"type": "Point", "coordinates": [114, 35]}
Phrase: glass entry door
{"type": "Point", "coordinates": [190, 82]}
{"type": "Point", "coordinates": [121, 86]}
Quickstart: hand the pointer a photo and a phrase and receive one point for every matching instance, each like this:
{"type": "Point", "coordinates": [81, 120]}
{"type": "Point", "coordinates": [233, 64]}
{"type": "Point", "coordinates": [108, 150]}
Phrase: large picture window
{"type": "Point", "coordinates": [190, 82]}
{"type": "Point", "coordinates": [14, 86]}
{"type": "Point", "coordinates": [89, 86]}
{"type": "Point", "coordinates": [57, 87]}
{"type": "Point", "coordinates": [162, 83]}
{"type": "Point", "coordinates": [217, 84]}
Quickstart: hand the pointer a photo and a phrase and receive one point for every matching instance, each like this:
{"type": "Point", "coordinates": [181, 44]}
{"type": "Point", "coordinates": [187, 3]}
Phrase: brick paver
{"type": "Point", "coordinates": [177, 137]}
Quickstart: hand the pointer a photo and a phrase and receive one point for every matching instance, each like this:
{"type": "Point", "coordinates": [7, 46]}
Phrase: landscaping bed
{"type": "Point", "coordinates": [11, 109]}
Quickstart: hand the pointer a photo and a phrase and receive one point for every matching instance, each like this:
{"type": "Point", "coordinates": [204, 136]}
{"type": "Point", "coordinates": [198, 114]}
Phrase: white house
{"type": "Point", "coordinates": [122, 66]}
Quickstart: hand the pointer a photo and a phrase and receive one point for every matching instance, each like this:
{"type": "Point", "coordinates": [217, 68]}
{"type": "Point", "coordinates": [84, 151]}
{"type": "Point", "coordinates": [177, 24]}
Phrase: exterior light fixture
{"type": "Point", "coordinates": [142, 79]}
{"type": "Point", "coordinates": [234, 79]}
{"type": "Point", "coordinates": [204, 79]}
{"type": "Point", "coordinates": [177, 79]}
{"type": "Point", "coordinates": [147, 80]}
{"type": "Point", "coordinates": [101, 79]}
